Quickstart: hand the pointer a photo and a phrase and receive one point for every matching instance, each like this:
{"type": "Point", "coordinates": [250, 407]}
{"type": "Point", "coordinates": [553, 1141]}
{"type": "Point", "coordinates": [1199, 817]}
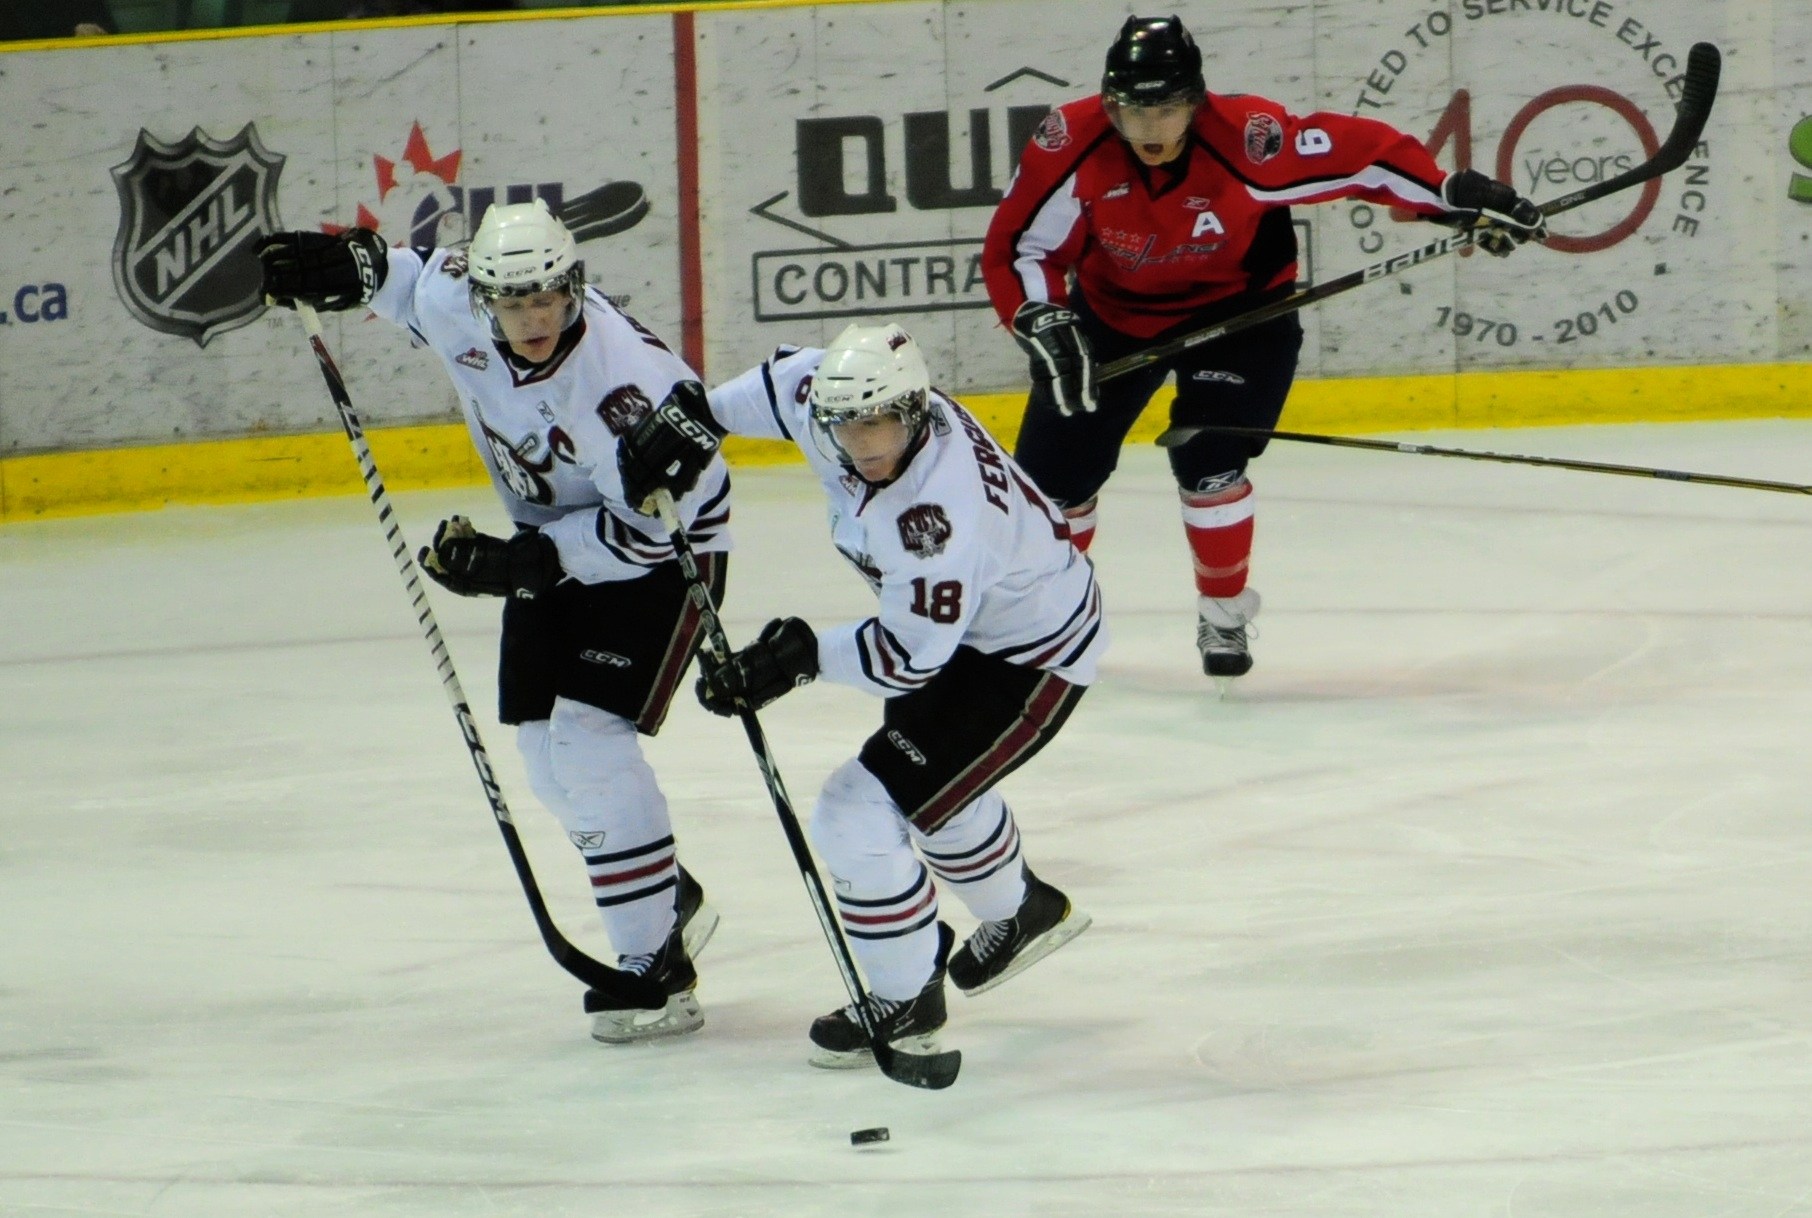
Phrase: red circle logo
{"type": "Point", "coordinates": [1623, 108]}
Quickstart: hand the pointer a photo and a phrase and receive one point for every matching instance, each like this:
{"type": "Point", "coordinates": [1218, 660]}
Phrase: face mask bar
{"type": "Point", "coordinates": [571, 281]}
{"type": "Point", "coordinates": [1159, 122]}
{"type": "Point", "coordinates": [909, 408]}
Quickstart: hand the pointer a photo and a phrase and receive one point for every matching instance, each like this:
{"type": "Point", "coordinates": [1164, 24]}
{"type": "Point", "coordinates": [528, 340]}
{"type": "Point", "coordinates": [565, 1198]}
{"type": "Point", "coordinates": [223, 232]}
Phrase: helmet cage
{"type": "Point", "coordinates": [570, 281]}
{"type": "Point", "coordinates": [912, 408]}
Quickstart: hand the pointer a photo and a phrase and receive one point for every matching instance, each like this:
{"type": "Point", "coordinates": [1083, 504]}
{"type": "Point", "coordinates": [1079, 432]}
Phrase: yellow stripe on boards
{"type": "Point", "coordinates": [1476, 400]}
{"type": "Point", "coordinates": [231, 471]}
{"type": "Point", "coordinates": [417, 458]}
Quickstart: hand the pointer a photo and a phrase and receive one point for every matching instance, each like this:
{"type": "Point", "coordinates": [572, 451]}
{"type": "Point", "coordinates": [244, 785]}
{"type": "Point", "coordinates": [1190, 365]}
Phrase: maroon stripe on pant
{"type": "Point", "coordinates": [1047, 705]}
{"type": "Point", "coordinates": [679, 652]}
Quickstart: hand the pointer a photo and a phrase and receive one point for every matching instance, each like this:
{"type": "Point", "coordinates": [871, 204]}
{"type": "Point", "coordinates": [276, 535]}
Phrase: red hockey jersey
{"type": "Point", "coordinates": [1152, 246]}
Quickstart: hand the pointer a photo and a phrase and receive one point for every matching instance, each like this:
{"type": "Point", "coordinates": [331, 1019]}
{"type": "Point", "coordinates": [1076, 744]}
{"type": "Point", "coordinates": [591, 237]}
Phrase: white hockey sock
{"type": "Point", "coordinates": [885, 897]}
{"type": "Point", "coordinates": [975, 854]}
{"type": "Point", "coordinates": [587, 766]}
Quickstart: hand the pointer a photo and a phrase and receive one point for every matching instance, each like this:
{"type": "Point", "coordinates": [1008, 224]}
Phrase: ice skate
{"type": "Point", "coordinates": [908, 1025]}
{"type": "Point", "coordinates": [1220, 635]}
{"type": "Point", "coordinates": [1044, 922]}
{"type": "Point", "coordinates": [696, 919]}
{"type": "Point", "coordinates": [670, 966]}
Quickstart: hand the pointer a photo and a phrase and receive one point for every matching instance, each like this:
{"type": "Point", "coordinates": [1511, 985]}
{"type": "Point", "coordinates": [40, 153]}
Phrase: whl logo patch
{"type": "Point", "coordinates": [190, 213]}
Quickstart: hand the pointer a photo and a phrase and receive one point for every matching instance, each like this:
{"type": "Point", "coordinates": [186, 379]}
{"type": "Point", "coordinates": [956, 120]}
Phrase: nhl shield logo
{"type": "Point", "coordinates": [190, 213]}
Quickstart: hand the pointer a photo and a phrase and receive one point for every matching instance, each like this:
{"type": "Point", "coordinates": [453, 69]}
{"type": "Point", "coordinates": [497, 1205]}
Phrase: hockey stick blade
{"type": "Point", "coordinates": [926, 1071]}
{"type": "Point", "coordinates": [1177, 436]}
{"type": "Point", "coordinates": [1697, 92]}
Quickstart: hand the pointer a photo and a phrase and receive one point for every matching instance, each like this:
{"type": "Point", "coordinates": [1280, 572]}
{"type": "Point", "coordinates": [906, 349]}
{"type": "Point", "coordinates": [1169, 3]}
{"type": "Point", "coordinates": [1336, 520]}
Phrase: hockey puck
{"type": "Point", "coordinates": [868, 1137]}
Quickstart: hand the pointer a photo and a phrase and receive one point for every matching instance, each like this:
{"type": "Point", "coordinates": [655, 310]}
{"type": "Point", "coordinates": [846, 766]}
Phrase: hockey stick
{"type": "Point", "coordinates": [1182, 435]}
{"type": "Point", "coordinates": [619, 986]}
{"type": "Point", "coordinates": [931, 1071]}
{"type": "Point", "coordinates": [1696, 95]}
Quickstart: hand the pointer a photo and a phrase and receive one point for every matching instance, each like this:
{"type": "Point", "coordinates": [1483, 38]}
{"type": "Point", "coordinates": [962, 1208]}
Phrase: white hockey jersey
{"type": "Point", "coordinates": [548, 434]}
{"type": "Point", "coordinates": [961, 549]}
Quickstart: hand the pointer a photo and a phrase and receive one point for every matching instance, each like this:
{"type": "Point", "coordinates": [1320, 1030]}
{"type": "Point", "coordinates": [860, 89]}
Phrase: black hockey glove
{"type": "Point", "coordinates": [1060, 355]}
{"type": "Point", "coordinates": [1504, 219]}
{"type": "Point", "coordinates": [669, 448]}
{"type": "Point", "coordinates": [471, 563]}
{"type": "Point", "coordinates": [329, 272]}
{"type": "Point", "coordinates": [783, 656]}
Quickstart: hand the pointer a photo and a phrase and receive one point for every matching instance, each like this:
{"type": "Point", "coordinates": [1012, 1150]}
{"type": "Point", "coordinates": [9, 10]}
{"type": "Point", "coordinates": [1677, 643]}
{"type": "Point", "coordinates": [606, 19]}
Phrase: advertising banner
{"type": "Point", "coordinates": [147, 174]}
{"type": "Point", "coordinates": [740, 178]}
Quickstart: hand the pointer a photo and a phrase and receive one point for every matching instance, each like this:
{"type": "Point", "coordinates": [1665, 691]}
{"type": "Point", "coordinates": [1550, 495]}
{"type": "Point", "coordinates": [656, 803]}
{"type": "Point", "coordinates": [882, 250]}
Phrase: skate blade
{"type": "Point", "coordinates": [830, 1059]}
{"type": "Point", "coordinates": [1223, 689]}
{"type": "Point", "coordinates": [681, 1015]}
{"type": "Point", "coordinates": [1038, 949]}
{"type": "Point", "coordinates": [699, 930]}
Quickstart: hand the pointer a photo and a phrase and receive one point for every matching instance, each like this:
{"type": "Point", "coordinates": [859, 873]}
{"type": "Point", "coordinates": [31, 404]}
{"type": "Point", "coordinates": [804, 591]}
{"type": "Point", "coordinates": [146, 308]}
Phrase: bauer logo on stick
{"type": "Point", "coordinates": [190, 214]}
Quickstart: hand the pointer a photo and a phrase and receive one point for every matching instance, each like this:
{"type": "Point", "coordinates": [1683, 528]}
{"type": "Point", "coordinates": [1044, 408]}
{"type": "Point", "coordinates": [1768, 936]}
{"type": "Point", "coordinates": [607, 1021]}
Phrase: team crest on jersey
{"type": "Point", "coordinates": [190, 214]}
{"type": "Point", "coordinates": [864, 565]}
{"type": "Point", "coordinates": [623, 408]}
{"type": "Point", "coordinates": [924, 530]}
{"type": "Point", "coordinates": [522, 474]}
{"type": "Point", "coordinates": [1053, 134]}
{"type": "Point", "coordinates": [1264, 137]}
{"type": "Point", "coordinates": [472, 357]}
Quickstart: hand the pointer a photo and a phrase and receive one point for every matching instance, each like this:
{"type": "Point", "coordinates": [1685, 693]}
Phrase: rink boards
{"type": "Point", "coordinates": [746, 175]}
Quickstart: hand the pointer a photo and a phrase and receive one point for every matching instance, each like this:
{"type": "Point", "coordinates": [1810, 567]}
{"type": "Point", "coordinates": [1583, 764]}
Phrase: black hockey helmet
{"type": "Point", "coordinates": [1153, 61]}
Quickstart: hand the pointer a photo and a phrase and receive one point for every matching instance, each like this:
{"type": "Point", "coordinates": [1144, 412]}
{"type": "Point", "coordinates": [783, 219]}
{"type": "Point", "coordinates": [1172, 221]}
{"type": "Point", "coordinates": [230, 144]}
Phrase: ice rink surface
{"type": "Point", "coordinates": [1489, 894]}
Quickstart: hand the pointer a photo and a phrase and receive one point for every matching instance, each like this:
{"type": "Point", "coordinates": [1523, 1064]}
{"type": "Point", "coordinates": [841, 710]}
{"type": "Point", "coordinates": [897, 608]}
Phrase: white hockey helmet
{"type": "Point", "coordinates": [521, 249]}
{"type": "Point", "coordinates": [868, 371]}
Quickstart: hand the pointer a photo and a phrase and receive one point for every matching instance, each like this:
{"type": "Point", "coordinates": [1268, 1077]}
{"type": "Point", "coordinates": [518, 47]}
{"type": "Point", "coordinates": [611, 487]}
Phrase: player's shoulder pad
{"type": "Point", "coordinates": [1069, 130]}
{"type": "Point", "coordinates": [969, 471]}
{"type": "Point", "coordinates": [1261, 140]}
{"type": "Point", "coordinates": [450, 264]}
{"type": "Point", "coordinates": [621, 325]}
{"type": "Point", "coordinates": [787, 375]}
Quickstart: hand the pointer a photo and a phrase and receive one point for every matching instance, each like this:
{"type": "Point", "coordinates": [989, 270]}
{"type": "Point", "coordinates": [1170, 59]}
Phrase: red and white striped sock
{"type": "Point", "coordinates": [1218, 525]}
{"type": "Point", "coordinates": [1083, 518]}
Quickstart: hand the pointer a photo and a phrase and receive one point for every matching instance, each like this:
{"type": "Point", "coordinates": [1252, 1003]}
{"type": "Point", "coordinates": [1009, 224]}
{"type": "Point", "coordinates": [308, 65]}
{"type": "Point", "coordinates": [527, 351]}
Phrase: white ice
{"type": "Point", "coordinates": [1487, 894]}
